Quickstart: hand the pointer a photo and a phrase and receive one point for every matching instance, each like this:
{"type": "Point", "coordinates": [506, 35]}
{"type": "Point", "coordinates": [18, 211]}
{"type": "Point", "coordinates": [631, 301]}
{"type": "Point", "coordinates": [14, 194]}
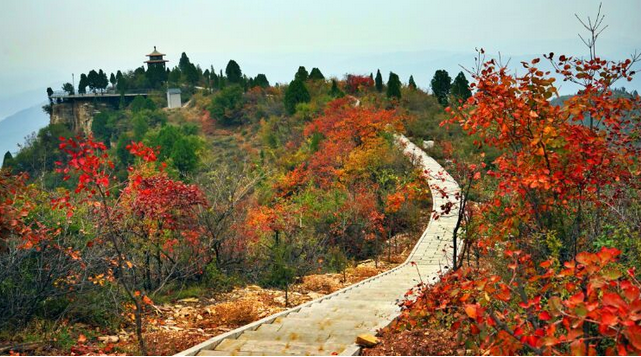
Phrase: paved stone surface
{"type": "Point", "coordinates": [331, 324]}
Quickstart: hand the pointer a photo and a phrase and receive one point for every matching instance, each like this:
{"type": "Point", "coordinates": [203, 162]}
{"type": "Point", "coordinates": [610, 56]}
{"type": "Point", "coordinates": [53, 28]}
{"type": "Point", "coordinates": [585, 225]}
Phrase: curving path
{"type": "Point", "coordinates": [329, 325]}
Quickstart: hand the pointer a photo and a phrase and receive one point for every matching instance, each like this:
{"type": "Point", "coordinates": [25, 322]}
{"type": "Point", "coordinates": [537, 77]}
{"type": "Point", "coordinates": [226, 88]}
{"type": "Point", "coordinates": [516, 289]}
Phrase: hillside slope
{"type": "Point", "coordinates": [16, 127]}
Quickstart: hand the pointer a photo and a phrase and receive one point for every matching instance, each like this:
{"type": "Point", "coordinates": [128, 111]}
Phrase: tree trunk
{"type": "Point", "coordinates": [141, 340]}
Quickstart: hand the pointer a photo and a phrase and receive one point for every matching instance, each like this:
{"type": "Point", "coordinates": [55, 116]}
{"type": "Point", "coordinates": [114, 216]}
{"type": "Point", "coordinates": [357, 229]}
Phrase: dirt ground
{"type": "Point", "coordinates": [417, 342]}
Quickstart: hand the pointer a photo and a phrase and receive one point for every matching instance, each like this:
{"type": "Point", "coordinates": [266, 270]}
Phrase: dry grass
{"type": "Point", "coordinates": [362, 271]}
{"type": "Point", "coordinates": [239, 312]}
{"type": "Point", "coordinates": [320, 283]}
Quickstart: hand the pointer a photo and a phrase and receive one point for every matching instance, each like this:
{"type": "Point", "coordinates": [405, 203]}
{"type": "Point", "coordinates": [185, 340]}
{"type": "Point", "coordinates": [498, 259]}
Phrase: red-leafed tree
{"type": "Point", "coordinates": [355, 83]}
{"type": "Point", "coordinates": [148, 218]}
{"type": "Point", "coordinates": [549, 283]}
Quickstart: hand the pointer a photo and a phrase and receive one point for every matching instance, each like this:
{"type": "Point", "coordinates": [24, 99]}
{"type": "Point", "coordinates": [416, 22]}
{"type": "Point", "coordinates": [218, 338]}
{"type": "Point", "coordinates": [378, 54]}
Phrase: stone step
{"type": "Point", "coordinates": [285, 348]}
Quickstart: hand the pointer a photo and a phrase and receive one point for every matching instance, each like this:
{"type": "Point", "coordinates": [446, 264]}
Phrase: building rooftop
{"type": "Point", "coordinates": [174, 91]}
{"type": "Point", "coordinates": [155, 53]}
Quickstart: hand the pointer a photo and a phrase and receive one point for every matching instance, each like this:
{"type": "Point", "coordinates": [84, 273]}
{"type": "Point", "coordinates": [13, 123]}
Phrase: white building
{"type": "Point", "coordinates": [173, 98]}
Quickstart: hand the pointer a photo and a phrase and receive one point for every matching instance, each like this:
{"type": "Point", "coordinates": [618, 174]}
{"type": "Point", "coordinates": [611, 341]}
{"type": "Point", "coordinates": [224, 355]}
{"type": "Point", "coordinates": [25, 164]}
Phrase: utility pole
{"type": "Point", "coordinates": [73, 82]}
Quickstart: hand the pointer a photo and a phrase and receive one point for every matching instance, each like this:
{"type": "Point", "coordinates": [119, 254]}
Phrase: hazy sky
{"type": "Point", "coordinates": [43, 42]}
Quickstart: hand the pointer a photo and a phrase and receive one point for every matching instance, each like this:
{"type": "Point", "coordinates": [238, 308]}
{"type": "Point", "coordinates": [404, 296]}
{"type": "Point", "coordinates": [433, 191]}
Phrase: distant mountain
{"type": "Point", "coordinates": [16, 127]}
{"type": "Point", "coordinates": [12, 103]}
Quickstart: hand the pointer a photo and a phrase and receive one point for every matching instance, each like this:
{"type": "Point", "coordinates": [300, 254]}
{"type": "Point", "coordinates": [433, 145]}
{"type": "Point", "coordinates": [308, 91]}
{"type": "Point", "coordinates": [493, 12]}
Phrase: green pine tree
{"type": "Point", "coordinates": [441, 84]}
{"type": "Point", "coordinates": [379, 81]}
{"type": "Point", "coordinates": [393, 86]}
{"type": "Point", "coordinates": [82, 84]}
{"type": "Point", "coordinates": [412, 84]}
{"type": "Point", "coordinates": [261, 81]}
{"type": "Point", "coordinates": [301, 74]}
{"type": "Point", "coordinates": [7, 161]}
{"type": "Point", "coordinates": [335, 91]}
{"type": "Point", "coordinates": [316, 74]}
{"type": "Point", "coordinates": [282, 269]}
{"type": "Point", "coordinates": [183, 155]}
{"type": "Point", "coordinates": [226, 106]}
{"type": "Point", "coordinates": [233, 72]}
{"type": "Point", "coordinates": [461, 87]}
{"type": "Point", "coordinates": [296, 93]}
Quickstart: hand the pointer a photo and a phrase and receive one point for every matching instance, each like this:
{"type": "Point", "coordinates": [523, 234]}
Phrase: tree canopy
{"type": "Point", "coordinates": [441, 84]}
{"type": "Point", "coordinates": [233, 72]}
{"type": "Point", "coordinates": [316, 74]}
{"type": "Point", "coordinates": [461, 87]}
{"type": "Point", "coordinates": [379, 81]}
{"type": "Point", "coordinates": [393, 86]}
{"type": "Point", "coordinates": [296, 93]}
{"type": "Point", "coordinates": [301, 74]}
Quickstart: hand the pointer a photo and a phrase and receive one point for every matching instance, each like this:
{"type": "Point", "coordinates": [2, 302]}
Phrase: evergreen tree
{"type": "Point", "coordinates": [441, 84]}
{"type": "Point", "coordinates": [191, 74]}
{"type": "Point", "coordinates": [233, 72]}
{"type": "Point", "coordinates": [379, 81]}
{"type": "Point", "coordinates": [393, 86]}
{"type": "Point", "coordinates": [461, 87]}
{"type": "Point", "coordinates": [221, 80]}
{"type": "Point", "coordinates": [226, 106]}
{"type": "Point", "coordinates": [103, 82]}
{"type": "Point", "coordinates": [101, 128]}
{"type": "Point", "coordinates": [7, 161]}
{"type": "Point", "coordinates": [68, 87]}
{"type": "Point", "coordinates": [301, 74]}
{"type": "Point", "coordinates": [174, 75]}
{"type": "Point", "coordinates": [92, 80]}
{"type": "Point", "coordinates": [183, 155]}
{"type": "Point", "coordinates": [82, 84]}
{"type": "Point", "coordinates": [261, 81]}
{"type": "Point", "coordinates": [371, 76]}
{"type": "Point", "coordinates": [316, 74]}
{"type": "Point", "coordinates": [207, 76]}
{"type": "Point", "coordinates": [412, 84]}
{"type": "Point", "coordinates": [282, 265]}
{"type": "Point", "coordinates": [335, 91]}
{"type": "Point", "coordinates": [140, 126]}
{"type": "Point", "coordinates": [184, 62]}
{"type": "Point", "coordinates": [112, 80]}
{"type": "Point", "coordinates": [49, 92]}
{"type": "Point", "coordinates": [296, 93]}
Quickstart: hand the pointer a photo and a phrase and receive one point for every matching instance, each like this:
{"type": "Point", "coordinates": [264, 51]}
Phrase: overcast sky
{"type": "Point", "coordinates": [44, 41]}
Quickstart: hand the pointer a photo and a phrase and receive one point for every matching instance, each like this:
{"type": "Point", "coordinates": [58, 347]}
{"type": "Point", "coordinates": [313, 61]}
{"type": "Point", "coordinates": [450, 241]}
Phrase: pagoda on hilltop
{"type": "Point", "coordinates": [156, 60]}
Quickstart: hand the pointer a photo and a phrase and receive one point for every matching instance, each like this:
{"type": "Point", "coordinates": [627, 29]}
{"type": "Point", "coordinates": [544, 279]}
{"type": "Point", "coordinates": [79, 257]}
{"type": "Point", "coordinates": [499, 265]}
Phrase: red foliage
{"type": "Point", "coordinates": [554, 158]}
{"type": "Point", "coordinates": [554, 164]}
{"type": "Point", "coordinates": [344, 128]}
{"type": "Point", "coordinates": [17, 201]}
{"type": "Point", "coordinates": [583, 307]}
{"type": "Point", "coordinates": [356, 83]}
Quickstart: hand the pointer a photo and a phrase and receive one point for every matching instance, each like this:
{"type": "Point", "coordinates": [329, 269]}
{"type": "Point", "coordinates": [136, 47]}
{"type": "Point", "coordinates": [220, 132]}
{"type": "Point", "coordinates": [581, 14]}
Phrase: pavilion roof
{"type": "Point", "coordinates": [155, 53]}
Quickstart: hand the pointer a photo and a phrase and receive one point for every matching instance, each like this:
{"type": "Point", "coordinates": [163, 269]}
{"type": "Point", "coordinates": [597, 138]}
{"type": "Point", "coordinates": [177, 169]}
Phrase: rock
{"type": "Point", "coordinates": [366, 340]}
{"type": "Point", "coordinates": [428, 144]}
{"type": "Point", "coordinates": [109, 339]}
{"type": "Point", "coordinates": [191, 299]}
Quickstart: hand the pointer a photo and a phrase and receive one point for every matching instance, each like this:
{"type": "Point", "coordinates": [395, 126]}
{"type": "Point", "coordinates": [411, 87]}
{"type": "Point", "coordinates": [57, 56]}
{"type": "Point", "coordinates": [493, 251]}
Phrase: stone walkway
{"type": "Point", "coordinates": [329, 325]}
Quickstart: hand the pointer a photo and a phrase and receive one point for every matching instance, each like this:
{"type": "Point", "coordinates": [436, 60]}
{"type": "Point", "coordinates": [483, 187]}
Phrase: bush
{"type": "Point", "coordinates": [217, 280]}
{"type": "Point", "coordinates": [226, 106]}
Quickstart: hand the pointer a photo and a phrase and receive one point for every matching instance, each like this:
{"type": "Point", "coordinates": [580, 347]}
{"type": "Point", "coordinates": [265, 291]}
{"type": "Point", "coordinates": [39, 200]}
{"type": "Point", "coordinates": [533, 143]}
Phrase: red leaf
{"type": "Point", "coordinates": [471, 310]}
